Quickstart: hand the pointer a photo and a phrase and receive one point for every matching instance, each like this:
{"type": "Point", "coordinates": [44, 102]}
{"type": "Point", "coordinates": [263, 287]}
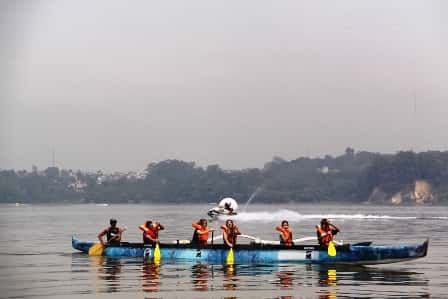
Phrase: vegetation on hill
{"type": "Point", "coordinates": [404, 177]}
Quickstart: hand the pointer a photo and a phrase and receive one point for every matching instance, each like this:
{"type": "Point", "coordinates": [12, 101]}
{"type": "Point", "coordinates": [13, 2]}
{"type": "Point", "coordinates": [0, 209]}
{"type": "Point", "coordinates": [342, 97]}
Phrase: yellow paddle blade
{"type": "Point", "coordinates": [96, 249]}
{"type": "Point", "coordinates": [230, 258]}
{"type": "Point", "coordinates": [331, 249]}
{"type": "Point", "coordinates": [157, 254]}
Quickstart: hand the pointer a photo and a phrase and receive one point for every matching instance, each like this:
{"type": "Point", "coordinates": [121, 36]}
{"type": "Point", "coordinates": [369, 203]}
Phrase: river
{"type": "Point", "coordinates": [37, 260]}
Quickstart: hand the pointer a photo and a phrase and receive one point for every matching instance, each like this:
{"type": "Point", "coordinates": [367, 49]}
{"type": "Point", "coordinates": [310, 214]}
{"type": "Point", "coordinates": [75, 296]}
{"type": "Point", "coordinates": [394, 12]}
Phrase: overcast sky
{"type": "Point", "coordinates": [115, 85]}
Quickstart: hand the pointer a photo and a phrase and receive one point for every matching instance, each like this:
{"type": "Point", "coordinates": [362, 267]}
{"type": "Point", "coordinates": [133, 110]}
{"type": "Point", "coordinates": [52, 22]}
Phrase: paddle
{"type": "Point", "coordinates": [98, 248]}
{"type": "Point", "coordinates": [331, 249]}
{"type": "Point", "coordinates": [157, 254]}
{"type": "Point", "coordinates": [230, 259]}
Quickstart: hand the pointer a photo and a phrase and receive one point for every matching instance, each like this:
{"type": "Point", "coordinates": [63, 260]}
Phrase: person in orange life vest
{"type": "Point", "coordinates": [325, 232]}
{"type": "Point", "coordinates": [151, 231]}
{"type": "Point", "coordinates": [113, 233]}
{"type": "Point", "coordinates": [229, 232]}
{"type": "Point", "coordinates": [286, 234]}
{"type": "Point", "coordinates": [200, 235]}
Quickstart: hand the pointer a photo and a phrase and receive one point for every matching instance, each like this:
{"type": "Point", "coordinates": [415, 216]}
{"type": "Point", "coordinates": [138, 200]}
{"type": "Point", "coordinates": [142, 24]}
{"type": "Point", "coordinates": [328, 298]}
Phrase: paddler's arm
{"type": "Point", "coordinates": [151, 238]}
{"type": "Point", "coordinates": [116, 238]}
{"type": "Point", "coordinates": [161, 227]}
{"type": "Point", "coordinates": [101, 234]}
{"type": "Point", "coordinates": [199, 229]}
{"type": "Point", "coordinates": [206, 231]}
{"type": "Point", "coordinates": [154, 240]}
{"type": "Point", "coordinates": [334, 228]}
{"type": "Point", "coordinates": [143, 228]}
{"type": "Point", "coordinates": [225, 237]}
{"type": "Point", "coordinates": [280, 229]}
{"type": "Point", "coordinates": [237, 231]}
{"type": "Point", "coordinates": [120, 234]}
{"type": "Point", "coordinates": [284, 233]}
{"type": "Point", "coordinates": [227, 240]}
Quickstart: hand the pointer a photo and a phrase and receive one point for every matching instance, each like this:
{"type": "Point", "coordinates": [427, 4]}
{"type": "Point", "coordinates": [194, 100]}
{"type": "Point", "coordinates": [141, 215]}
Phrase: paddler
{"type": "Point", "coordinates": [113, 233]}
{"type": "Point", "coordinates": [229, 232]}
{"type": "Point", "coordinates": [201, 231]}
{"type": "Point", "coordinates": [285, 234]}
{"type": "Point", "coordinates": [325, 232]}
{"type": "Point", "coordinates": [228, 208]}
{"type": "Point", "coordinates": [151, 231]}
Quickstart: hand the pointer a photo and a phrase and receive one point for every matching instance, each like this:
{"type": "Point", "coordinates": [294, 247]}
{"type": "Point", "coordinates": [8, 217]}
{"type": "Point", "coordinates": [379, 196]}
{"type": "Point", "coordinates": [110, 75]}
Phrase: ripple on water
{"type": "Point", "coordinates": [41, 263]}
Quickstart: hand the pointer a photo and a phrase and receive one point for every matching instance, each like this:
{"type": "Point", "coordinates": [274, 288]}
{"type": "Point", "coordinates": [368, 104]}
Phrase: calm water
{"type": "Point", "coordinates": [37, 261]}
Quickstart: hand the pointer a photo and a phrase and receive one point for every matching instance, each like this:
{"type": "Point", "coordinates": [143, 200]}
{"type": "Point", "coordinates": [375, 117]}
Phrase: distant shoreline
{"type": "Point", "coordinates": [440, 204]}
{"type": "Point", "coordinates": [404, 178]}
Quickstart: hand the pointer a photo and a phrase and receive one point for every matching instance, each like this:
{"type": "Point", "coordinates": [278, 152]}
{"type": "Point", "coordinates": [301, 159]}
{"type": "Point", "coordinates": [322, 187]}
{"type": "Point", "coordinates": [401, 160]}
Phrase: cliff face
{"type": "Point", "coordinates": [419, 194]}
{"type": "Point", "coordinates": [422, 192]}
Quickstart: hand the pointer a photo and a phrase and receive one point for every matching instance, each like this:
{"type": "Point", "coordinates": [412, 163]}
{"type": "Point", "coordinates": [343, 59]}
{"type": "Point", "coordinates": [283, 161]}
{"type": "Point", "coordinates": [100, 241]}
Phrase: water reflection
{"type": "Point", "coordinates": [286, 279]}
{"type": "Point", "coordinates": [230, 280]}
{"type": "Point", "coordinates": [327, 295]}
{"type": "Point", "coordinates": [109, 270]}
{"type": "Point", "coordinates": [330, 275]}
{"type": "Point", "coordinates": [200, 274]}
{"type": "Point", "coordinates": [327, 277]}
{"type": "Point", "coordinates": [150, 276]}
{"type": "Point", "coordinates": [324, 281]}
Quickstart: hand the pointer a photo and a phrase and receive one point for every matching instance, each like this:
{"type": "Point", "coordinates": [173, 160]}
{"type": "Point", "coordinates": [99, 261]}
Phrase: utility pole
{"type": "Point", "coordinates": [53, 162]}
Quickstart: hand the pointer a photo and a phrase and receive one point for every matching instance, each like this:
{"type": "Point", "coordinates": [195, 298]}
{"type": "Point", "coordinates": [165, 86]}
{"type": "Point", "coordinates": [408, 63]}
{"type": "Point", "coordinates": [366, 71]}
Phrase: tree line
{"type": "Point", "coordinates": [350, 177]}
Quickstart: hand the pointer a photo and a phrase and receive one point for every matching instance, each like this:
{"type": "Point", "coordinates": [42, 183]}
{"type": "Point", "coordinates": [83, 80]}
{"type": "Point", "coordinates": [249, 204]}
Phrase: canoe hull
{"type": "Point", "coordinates": [244, 254]}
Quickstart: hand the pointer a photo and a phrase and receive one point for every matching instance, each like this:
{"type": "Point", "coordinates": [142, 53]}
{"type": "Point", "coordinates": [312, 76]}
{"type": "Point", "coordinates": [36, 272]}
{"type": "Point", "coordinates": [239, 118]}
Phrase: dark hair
{"type": "Point", "coordinates": [324, 221]}
{"type": "Point", "coordinates": [229, 220]}
{"type": "Point", "coordinates": [148, 223]}
{"type": "Point", "coordinates": [113, 221]}
{"type": "Point", "coordinates": [285, 221]}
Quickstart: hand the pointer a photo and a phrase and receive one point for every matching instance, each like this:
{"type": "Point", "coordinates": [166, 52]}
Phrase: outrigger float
{"type": "Point", "coordinates": [359, 254]}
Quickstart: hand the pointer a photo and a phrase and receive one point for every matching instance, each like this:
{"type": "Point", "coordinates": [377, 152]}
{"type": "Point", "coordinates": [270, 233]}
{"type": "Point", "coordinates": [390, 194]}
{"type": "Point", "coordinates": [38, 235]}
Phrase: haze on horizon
{"type": "Point", "coordinates": [114, 86]}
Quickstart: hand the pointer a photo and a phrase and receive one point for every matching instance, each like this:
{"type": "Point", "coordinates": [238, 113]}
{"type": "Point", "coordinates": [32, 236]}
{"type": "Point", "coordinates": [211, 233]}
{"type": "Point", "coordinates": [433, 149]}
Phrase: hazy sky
{"type": "Point", "coordinates": [114, 85]}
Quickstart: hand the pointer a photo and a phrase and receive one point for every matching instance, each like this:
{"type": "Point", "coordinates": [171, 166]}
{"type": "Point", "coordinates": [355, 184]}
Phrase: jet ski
{"type": "Point", "coordinates": [226, 207]}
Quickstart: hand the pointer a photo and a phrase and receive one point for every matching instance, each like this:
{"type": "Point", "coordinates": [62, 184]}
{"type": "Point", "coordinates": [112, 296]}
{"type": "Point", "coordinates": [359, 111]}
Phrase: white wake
{"type": "Point", "coordinates": [292, 216]}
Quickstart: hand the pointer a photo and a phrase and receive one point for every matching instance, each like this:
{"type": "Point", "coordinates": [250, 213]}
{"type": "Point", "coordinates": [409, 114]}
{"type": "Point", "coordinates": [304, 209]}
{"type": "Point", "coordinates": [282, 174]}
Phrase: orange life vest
{"type": "Point", "coordinates": [201, 238]}
{"type": "Point", "coordinates": [325, 235]}
{"type": "Point", "coordinates": [150, 232]}
{"type": "Point", "coordinates": [285, 237]}
{"type": "Point", "coordinates": [232, 233]}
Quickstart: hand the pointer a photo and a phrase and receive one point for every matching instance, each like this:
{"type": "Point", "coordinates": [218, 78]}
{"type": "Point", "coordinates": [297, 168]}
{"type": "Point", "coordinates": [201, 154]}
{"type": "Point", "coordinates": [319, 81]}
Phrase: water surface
{"type": "Point", "coordinates": [37, 261]}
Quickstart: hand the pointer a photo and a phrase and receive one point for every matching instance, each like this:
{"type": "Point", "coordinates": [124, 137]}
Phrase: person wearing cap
{"type": "Point", "coordinates": [325, 232]}
{"type": "Point", "coordinates": [113, 233]}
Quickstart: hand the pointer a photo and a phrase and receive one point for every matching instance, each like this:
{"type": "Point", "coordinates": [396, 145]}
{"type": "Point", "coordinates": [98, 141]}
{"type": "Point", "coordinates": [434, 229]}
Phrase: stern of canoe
{"type": "Point", "coordinates": [370, 255]}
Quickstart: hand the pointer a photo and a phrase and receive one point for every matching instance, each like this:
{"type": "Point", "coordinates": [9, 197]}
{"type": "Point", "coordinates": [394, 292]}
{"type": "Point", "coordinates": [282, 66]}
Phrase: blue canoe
{"type": "Point", "coordinates": [361, 254]}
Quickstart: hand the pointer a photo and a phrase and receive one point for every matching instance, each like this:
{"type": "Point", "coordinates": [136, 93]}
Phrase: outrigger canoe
{"type": "Point", "coordinates": [360, 254]}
